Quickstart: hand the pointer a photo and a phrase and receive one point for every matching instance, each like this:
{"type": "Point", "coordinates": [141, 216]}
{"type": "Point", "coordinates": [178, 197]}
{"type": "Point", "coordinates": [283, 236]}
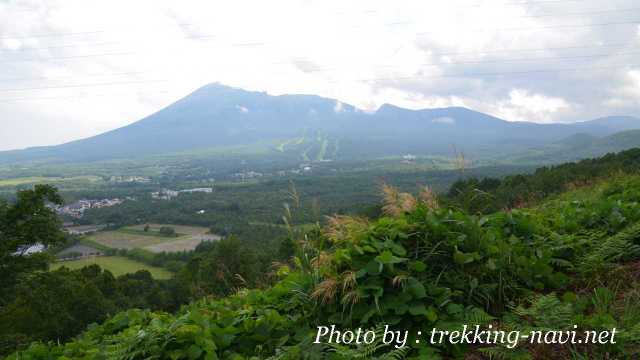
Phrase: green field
{"type": "Point", "coordinates": [134, 237]}
{"type": "Point", "coordinates": [27, 180]}
{"type": "Point", "coordinates": [41, 179]}
{"type": "Point", "coordinates": [116, 264]}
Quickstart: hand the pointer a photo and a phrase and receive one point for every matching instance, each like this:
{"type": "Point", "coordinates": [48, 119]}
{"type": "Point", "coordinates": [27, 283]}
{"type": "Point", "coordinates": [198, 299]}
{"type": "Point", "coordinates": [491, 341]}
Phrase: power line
{"type": "Point", "coordinates": [75, 96]}
{"type": "Point", "coordinates": [454, 63]}
{"type": "Point", "coordinates": [494, 51]}
{"type": "Point", "coordinates": [422, 64]}
{"type": "Point", "coordinates": [494, 61]}
{"type": "Point", "coordinates": [581, 13]}
{"type": "Point", "coordinates": [413, 77]}
{"type": "Point", "coordinates": [72, 57]}
{"type": "Point", "coordinates": [635, 22]}
{"type": "Point", "coordinates": [196, 37]}
{"type": "Point", "coordinates": [526, 59]}
{"type": "Point", "coordinates": [69, 77]}
{"type": "Point", "coordinates": [51, 35]}
{"type": "Point", "coordinates": [514, 3]}
{"type": "Point", "coordinates": [84, 85]}
{"type": "Point", "coordinates": [380, 65]}
{"type": "Point", "coordinates": [495, 73]}
{"type": "Point", "coordinates": [596, 12]}
{"type": "Point", "coordinates": [435, 54]}
{"type": "Point", "coordinates": [573, 69]}
{"type": "Point", "coordinates": [528, 3]}
{"type": "Point", "coordinates": [259, 44]}
{"type": "Point", "coordinates": [64, 46]}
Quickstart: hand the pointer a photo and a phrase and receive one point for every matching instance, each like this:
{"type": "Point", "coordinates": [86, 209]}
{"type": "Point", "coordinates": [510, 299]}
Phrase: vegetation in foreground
{"type": "Point", "coordinates": [570, 260]}
{"type": "Point", "coordinates": [36, 304]}
{"type": "Point", "coordinates": [41, 305]}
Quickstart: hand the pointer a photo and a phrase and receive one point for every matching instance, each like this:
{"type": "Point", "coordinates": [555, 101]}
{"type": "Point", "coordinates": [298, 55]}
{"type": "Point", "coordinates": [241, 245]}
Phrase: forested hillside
{"type": "Point", "coordinates": [486, 195]}
{"type": "Point", "coordinates": [556, 248]}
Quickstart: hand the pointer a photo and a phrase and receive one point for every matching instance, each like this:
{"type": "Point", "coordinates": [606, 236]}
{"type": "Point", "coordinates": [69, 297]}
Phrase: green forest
{"type": "Point", "coordinates": [555, 249]}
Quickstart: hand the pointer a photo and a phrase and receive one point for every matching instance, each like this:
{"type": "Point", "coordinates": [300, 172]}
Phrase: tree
{"type": "Point", "coordinates": [57, 305]}
{"type": "Point", "coordinates": [27, 222]}
{"type": "Point", "coordinates": [53, 306]}
{"type": "Point", "coordinates": [167, 231]}
{"type": "Point", "coordinates": [228, 265]}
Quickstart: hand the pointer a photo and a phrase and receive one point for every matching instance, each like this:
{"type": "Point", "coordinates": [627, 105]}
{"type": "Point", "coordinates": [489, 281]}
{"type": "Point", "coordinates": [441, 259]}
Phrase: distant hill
{"type": "Point", "coordinates": [311, 127]}
{"type": "Point", "coordinates": [579, 146]}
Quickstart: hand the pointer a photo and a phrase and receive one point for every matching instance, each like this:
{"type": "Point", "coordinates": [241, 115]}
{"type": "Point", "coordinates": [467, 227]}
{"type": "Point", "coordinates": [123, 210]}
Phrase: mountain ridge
{"type": "Point", "coordinates": [218, 115]}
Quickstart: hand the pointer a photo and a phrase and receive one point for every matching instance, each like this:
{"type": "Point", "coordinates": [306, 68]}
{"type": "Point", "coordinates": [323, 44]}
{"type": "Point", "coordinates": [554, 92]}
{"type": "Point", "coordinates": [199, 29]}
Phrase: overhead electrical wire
{"type": "Point", "coordinates": [586, 13]}
{"type": "Point", "coordinates": [83, 85]}
{"type": "Point", "coordinates": [395, 78]}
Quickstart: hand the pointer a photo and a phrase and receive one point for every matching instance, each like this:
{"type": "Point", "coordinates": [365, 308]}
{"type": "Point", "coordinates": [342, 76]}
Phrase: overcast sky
{"type": "Point", "coordinates": [74, 68]}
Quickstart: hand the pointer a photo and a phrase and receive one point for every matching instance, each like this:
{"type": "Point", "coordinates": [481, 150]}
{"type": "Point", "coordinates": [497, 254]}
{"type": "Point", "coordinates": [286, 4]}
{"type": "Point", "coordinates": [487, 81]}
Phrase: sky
{"type": "Point", "coordinates": [70, 69]}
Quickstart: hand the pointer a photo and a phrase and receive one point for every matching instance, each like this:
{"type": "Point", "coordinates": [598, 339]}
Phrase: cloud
{"type": "Point", "coordinates": [305, 65]}
{"type": "Point", "coordinates": [444, 120]}
{"type": "Point", "coordinates": [522, 105]}
{"type": "Point", "coordinates": [242, 109]}
{"type": "Point", "coordinates": [634, 77]}
{"type": "Point", "coordinates": [628, 93]}
{"type": "Point", "coordinates": [11, 44]}
{"type": "Point", "coordinates": [96, 65]}
{"type": "Point", "coordinates": [338, 108]}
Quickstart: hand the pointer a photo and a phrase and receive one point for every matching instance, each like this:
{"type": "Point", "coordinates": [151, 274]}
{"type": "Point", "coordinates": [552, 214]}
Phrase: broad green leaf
{"type": "Point", "coordinates": [432, 314]}
{"type": "Point", "coordinates": [388, 258]}
{"type": "Point", "coordinates": [418, 266]}
{"type": "Point", "coordinates": [374, 267]}
{"type": "Point", "coordinates": [418, 309]}
{"type": "Point", "coordinates": [194, 352]}
{"type": "Point", "coordinates": [416, 289]}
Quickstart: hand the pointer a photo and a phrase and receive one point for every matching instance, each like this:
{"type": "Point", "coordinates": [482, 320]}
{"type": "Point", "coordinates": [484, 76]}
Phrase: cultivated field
{"type": "Point", "coordinates": [49, 180]}
{"type": "Point", "coordinates": [132, 237]}
{"type": "Point", "coordinates": [116, 264]}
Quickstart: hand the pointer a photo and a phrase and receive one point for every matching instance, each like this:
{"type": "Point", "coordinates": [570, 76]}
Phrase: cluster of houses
{"type": "Point", "coordinates": [78, 208]}
{"type": "Point", "coordinates": [166, 194]}
{"type": "Point", "coordinates": [302, 168]}
{"type": "Point", "coordinates": [248, 175]}
{"type": "Point", "coordinates": [408, 159]}
{"type": "Point", "coordinates": [81, 229]}
{"type": "Point", "coordinates": [130, 179]}
{"type": "Point", "coordinates": [31, 249]}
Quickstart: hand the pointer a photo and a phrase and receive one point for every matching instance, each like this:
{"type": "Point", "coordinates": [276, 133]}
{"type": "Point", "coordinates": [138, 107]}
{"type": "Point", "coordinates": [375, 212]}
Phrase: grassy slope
{"type": "Point", "coordinates": [116, 264]}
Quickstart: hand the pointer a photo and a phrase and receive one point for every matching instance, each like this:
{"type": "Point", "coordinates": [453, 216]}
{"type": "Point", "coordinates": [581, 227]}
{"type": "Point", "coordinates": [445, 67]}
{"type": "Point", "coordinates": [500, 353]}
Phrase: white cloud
{"type": "Point", "coordinates": [145, 54]}
{"type": "Point", "coordinates": [522, 105]}
{"type": "Point", "coordinates": [12, 44]}
{"type": "Point", "coordinates": [628, 93]}
{"type": "Point", "coordinates": [242, 109]}
{"type": "Point", "coordinates": [444, 120]}
{"type": "Point", "coordinates": [634, 89]}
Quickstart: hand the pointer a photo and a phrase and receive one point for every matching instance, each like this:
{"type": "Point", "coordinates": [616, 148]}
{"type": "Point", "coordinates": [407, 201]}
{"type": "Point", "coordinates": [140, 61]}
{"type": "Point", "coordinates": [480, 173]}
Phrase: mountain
{"type": "Point", "coordinates": [578, 146]}
{"type": "Point", "coordinates": [220, 116]}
